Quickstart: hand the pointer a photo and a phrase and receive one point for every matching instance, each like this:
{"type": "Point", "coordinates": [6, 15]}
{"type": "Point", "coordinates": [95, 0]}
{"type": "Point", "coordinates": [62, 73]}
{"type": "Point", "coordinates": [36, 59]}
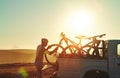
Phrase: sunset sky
{"type": "Point", "coordinates": [24, 22]}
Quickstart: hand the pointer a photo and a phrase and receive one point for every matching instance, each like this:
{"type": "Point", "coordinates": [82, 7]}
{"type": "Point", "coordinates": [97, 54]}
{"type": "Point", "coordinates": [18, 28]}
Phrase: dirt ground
{"type": "Point", "coordinates": [21, 71]}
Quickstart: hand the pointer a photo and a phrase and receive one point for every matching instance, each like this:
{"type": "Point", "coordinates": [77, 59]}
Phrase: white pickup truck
{"type": "Point", "coordinates": [108, 66]}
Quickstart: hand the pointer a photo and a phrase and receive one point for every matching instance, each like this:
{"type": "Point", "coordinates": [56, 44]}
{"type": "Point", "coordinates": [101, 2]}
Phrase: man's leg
{"type": "Point", "coordinates": [39, 72]}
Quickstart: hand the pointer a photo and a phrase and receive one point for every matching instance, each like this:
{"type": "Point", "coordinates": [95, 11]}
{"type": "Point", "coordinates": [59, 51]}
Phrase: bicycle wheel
{"type": "Point", "coordinates": [54, 50]}
{"type": "Point", "coordinates": [70, 51]}
{"type": "Point", "coordinates": [75, 52]}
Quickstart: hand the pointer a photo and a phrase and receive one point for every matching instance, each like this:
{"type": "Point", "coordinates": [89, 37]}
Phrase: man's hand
{"type": "Point", "coordinates": [51, 52]}
{"type": "Point", "coordinates": [47, 52]}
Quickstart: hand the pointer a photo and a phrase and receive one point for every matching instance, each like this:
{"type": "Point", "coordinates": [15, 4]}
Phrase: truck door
{"type": "Point", "coordinates": [114, 59]}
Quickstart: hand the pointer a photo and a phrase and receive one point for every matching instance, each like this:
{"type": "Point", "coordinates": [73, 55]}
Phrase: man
{"type": "Point", "coordinates": [39, 56]}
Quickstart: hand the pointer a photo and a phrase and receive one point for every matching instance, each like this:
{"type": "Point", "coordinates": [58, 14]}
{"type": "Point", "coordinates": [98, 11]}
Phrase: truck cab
{"type": "Point", "coordinates": [107, 66]}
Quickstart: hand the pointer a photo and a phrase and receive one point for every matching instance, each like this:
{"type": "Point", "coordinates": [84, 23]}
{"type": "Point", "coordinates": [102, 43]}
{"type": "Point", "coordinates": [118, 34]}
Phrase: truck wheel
{"type": "Point", "coordinates": [96, 74]}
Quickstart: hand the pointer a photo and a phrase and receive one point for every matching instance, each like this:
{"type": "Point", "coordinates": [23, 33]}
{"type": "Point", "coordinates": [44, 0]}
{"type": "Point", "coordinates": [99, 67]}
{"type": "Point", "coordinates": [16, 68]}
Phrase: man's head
{"type": "Point", "coordinates": [44, 41]}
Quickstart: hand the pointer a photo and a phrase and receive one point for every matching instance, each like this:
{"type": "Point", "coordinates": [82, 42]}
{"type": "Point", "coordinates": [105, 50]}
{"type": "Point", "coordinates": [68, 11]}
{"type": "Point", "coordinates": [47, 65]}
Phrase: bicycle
{"type": "Point", "coordinates": [97, 45]}
{"type": "Point", "coordinates": [58, 49]}
{"type": "Point", "coordinates": [90, 49]}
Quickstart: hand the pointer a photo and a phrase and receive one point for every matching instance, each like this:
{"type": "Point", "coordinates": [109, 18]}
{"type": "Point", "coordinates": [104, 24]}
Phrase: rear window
{"type": "Point", "coordinates": [118, 51]}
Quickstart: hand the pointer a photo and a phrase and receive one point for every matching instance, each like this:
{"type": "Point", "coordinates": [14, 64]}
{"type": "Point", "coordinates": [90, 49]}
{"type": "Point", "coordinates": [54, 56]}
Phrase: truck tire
{"type": "Point", "coordinates": [96, 74]}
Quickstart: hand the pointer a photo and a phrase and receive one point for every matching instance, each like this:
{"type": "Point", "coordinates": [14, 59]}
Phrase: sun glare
{"type": "Point", "coordinates": [80, 22]}
{"type": "Point", "coordinates": [81, 19]}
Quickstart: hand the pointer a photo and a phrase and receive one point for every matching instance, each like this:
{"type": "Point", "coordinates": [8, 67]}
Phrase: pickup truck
{"type": "Point", "coordinates": [104, 62]}
{"type": "Point", "coordinates": [103, 67]}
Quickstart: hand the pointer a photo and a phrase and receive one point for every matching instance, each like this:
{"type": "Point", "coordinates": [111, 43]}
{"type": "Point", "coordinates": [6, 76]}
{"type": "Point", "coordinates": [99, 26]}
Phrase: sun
{"type": "Point", "coordinates": [80, 22]}
{"type": "Point", "coordinates": [80, 19]}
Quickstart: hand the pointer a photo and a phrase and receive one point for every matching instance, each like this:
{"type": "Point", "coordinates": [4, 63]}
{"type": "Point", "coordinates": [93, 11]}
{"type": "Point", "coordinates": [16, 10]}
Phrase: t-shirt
{"type": "Point", "coordinates": [39, 55]}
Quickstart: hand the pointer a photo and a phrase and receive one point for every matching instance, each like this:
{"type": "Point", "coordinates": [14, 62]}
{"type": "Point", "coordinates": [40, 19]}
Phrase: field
{"type": "Point", "coordinates": [18, 63]}
{"type": "Point", "coordinates": [17, 56]}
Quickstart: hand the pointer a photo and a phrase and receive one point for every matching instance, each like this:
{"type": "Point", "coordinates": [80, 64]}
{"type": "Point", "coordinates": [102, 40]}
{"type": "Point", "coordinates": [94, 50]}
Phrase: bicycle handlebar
{"type": "Point", "coordinates": [94, 37]}
{"type": "Point", "coordinates": [101, 35]}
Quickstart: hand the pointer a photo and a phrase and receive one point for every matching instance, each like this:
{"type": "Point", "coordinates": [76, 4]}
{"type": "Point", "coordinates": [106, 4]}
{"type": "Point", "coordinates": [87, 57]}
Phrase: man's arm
{"type": "Point", "coordinates": [51, 52]}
